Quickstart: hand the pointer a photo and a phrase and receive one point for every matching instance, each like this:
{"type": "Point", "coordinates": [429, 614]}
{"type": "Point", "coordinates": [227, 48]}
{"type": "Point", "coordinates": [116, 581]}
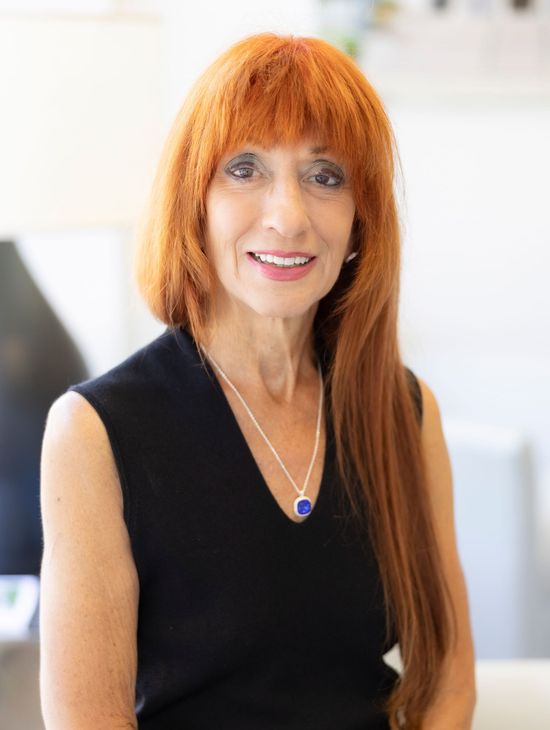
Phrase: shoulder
{"type": "Point", "coordinates": [81, 497]}
{"type": "Point", "coordinates": [426, 404]}
{"type": "Point", "coordinates": [432, 427]}
{"type": "Point", "coordinates": [436, 459]}
{"type": "Point", "coordinates": [75, 442]}
{"type": "Point", "coordinates": [430, 405]}
{"type": "Point", "coordinates": [415, 391]}
{"type": "Point", "coordinates": [71, 417]}
{"type": "Point", "coordinates": [429, 416]}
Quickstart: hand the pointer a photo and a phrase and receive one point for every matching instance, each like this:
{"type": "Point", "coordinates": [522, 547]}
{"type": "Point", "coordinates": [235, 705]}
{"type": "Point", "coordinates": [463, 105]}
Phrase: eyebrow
{"type": "Point", "coordinates": [312, 150]}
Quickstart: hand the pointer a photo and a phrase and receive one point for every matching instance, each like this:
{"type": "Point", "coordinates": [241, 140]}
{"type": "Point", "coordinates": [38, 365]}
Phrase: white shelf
{"type": "Point", "coordinates": [456, 57]}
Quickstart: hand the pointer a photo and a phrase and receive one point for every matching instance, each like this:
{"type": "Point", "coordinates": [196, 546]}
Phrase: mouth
{"type": "Point", "coordinates": [281, 262]}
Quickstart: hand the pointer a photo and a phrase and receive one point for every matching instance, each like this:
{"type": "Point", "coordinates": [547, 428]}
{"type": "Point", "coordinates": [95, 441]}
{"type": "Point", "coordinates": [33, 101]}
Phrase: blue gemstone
{"type": "Point", "coordinates": [304, 507]}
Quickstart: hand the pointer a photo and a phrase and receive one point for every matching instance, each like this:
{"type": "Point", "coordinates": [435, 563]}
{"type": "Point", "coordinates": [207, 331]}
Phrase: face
{"type": "Point", "coordinates": [291, 206]}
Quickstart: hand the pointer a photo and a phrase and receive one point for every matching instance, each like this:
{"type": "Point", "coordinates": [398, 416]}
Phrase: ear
{"type": "Point", "coordinates": [351, 246]}
{"type": "Point", "coordinates": [353, 242]}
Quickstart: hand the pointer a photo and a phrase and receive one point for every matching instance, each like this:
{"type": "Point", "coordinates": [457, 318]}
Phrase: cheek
{"type": "Point", "coordinates": [229, 218]}
{"type": "Point", "coordinates": [335, 224]}
{"type": "Point", "coordinates": [230, 211]}
{"type": "Point", "coordinates": [218, 229]}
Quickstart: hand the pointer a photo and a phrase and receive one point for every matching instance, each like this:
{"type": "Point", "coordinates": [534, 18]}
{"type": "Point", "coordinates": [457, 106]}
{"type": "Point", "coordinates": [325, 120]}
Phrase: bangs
{"type": "Point", "coordinates": [285, 102]}
{"type": "Point", "coordinates": [271, 90]}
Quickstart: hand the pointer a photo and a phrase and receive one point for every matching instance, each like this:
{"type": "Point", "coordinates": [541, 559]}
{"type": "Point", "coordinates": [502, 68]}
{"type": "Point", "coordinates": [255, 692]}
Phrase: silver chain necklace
{"type": "Point", "coordinates": [302, 504]}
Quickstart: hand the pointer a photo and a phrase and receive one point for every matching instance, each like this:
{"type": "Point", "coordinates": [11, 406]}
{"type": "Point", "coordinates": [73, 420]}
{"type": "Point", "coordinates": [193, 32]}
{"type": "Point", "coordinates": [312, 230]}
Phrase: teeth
{"type": "Point", "coordinates": [280, 261]}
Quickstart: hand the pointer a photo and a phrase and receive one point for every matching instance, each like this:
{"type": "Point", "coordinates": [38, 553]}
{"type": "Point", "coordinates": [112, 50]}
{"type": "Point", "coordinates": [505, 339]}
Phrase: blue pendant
{"type": "Point", "coordinates": [302, 506]}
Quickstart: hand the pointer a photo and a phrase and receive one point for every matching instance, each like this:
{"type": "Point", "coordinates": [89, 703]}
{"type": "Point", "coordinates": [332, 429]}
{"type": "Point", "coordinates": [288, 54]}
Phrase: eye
{"type": "Point", "coordinates": [240, 171]}
{"type": "Point", "coordinates": [324, 176]}
{"type": "Point", "coordinates": [242, 167]}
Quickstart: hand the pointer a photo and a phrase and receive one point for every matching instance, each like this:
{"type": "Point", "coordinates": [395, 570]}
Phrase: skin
{"type": "Point", "coordinates": [89, 585]}
{"type": "Point", "coordinates": [454, 706]}
{"type": "Point", "coordinates": [284, 198]}
{"type": "Point", "coordinates": [261, 336]}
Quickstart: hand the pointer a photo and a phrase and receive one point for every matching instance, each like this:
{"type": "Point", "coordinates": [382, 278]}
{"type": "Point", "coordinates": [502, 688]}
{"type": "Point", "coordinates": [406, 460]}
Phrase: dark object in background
{"type": "Point", "coordinates": [38, 361]}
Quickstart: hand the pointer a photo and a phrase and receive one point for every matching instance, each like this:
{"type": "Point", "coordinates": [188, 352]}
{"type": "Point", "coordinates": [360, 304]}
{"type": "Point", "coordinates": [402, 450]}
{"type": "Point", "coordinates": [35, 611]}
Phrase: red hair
{"type": "Point", "coordinates": [270, 89]}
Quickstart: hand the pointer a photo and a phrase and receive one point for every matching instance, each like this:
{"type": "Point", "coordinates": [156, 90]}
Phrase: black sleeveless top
{"type": "Point", "coordinates": [247, 620]}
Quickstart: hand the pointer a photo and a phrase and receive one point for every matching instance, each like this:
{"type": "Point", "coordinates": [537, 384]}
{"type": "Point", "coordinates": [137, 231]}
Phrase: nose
{"type": "Point", "coordinates": [284, 209]}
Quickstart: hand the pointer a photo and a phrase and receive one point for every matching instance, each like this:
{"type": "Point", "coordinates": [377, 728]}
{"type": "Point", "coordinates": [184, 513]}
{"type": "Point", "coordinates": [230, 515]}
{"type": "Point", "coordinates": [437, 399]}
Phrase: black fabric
{"type": "Point", "coordinates": [416, 393]}
{"type": "Point", "coordinates": [247, 620]}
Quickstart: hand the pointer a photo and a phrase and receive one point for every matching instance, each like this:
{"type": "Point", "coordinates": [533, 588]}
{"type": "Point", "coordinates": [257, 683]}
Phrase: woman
{"type": "Point", "coordinates": [242, 517]}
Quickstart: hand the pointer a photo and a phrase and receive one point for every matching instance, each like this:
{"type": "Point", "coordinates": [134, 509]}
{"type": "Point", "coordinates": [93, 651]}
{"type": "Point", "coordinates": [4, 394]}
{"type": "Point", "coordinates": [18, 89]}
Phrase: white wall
{"type": "Point", "coordinates": [475, 311]}
{"type": "Point", "coordinates": [199, 34]}
{"type": "Point", "coordinates": [476, 304]}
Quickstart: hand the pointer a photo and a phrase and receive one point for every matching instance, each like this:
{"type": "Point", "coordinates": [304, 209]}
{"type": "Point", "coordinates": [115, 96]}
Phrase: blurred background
{"type": "Point", "coordinates": [88, 91]}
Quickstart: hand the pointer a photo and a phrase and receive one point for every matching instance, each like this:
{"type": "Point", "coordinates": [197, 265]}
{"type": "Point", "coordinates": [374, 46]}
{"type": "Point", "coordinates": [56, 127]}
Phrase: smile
{"type": "Point", "coordinates": [281, 268]}
{"type": "Point", "coordinates": [279, 261]}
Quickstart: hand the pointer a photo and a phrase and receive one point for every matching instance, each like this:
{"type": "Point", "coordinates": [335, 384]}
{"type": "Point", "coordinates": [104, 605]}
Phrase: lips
{"type": "Point", "coordinates": [282, 273]}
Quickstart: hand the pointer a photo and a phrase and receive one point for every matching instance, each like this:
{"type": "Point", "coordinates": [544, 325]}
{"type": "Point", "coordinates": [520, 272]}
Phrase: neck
{"type": "Point", "coordinates": [271, 355]}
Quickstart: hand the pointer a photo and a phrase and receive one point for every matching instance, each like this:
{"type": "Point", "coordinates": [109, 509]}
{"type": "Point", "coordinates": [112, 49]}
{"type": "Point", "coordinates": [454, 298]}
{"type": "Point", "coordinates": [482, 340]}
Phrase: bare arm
{"type": "Point", "coordinates": [89, 584]}
{"type": "Point", "coordinates": [454, 705]}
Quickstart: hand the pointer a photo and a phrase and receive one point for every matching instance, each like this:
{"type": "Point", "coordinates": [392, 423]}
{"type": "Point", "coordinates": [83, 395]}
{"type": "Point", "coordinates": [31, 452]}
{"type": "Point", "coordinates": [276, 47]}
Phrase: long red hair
{"type": "Point", "coordinates": [272, 89]}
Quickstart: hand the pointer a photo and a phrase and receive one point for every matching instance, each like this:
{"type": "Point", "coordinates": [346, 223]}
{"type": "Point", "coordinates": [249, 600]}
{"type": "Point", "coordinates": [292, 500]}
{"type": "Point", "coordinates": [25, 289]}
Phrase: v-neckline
{"type": "Point", "coordinates": [252, 459]}
{"type": "Point", "coordinates": [265, 490]}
